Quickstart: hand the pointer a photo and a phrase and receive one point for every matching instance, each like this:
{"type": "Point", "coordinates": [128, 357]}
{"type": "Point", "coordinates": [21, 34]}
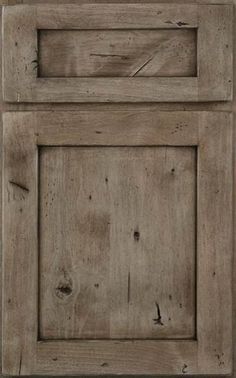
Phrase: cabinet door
{"type": "Point", "coordinates": [117, 53]}
{"type": "Point", "coordinates": [117, 243]}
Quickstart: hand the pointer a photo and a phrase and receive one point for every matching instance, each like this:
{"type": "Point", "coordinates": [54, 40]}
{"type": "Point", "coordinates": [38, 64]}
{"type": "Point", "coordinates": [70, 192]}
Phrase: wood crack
{"type": "Point", "coordinates": [20, 364]}
{"type": "Point", "coordinates": [142, 66]}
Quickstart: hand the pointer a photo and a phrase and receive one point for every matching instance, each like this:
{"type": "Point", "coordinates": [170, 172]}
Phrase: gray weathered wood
{"type": "Point", "coordinates": [115, 224]}
{"type": "Point", "coordinates": [176, 106]}
{"type": "Point", "coordinates": [21, 83]}
{"type": "Point", "coordinates": [210, 353]}
{"type": "Point", "coordinates": [215, 52]}
{"type": "Point", "coordinates": [72, 53]}
{"type": "Point", "coordinates": [19, 247]}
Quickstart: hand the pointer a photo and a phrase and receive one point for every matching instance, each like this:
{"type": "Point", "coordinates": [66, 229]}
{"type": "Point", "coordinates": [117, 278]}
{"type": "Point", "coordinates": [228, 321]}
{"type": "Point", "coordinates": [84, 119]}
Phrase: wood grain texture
{"type": "Point", "coordinates": [215, 242]}
{"type": "Point", "coordinates": [24, 85]}
{"type": "Point", "coordinates": [20, 40]}
{"type": "Point", "coordinates": [135, 357]}
{"type": "Point", "coordinates": [117, 242]}
{"type": "Point", "coordinates": [105, 107]}
{"type": "Point", "coordinates": [19, 248]}
{"type": "Point", "coordinates": [211, 352]}
{"type": "Point", "coordinates": [67, 53]}
{"type": "Point", "coordinates": [215, 52]}
{"type": "Point", "coordinates": [116, 16]}
{"type": "Point", "coordinates": [121, 128]}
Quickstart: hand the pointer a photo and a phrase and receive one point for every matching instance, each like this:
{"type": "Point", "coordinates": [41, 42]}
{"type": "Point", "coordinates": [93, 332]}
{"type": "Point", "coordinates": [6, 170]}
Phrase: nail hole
{"type": "Point", "coordinates": [104, 364]}
{"type": "Point", "coordinates": [136, 235]}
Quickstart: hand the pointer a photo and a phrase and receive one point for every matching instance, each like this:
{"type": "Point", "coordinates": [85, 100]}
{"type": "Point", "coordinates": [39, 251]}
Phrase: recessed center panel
{"type": "Point", "coordinates": [117, 53]}
{"type": "Point", "coordinates": [117, 242]}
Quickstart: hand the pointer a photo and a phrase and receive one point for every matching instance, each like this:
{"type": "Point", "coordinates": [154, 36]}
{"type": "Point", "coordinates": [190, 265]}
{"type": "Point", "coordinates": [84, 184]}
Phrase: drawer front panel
{"type": "Point", "coordinates": [117, 53]}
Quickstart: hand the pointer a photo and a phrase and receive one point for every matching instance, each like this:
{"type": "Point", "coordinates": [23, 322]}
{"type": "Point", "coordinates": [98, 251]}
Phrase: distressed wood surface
{"type": "Point", "coordinates": [102, 107]}
{"type": "Point", "coordinates": [213, 346]}
{"type": "Point", "coordinates": [130, 357]}
{"type": "Point", "coordinates": [215, 241]}
{"type": "Point", "coordinates": [22, 84]}
{"type": "Point", "coordinates": [117, 16]}
{"type": "Point", "coordinates": [121, 128]}
{"type": "Point", "coordinates": [217, 52]}
{"type": "Point", "coordinates": [117, 242]}
{"type": "Point", "coordinates": [19, 248]}
{"type": "Point", "coordinates": [117, 53]}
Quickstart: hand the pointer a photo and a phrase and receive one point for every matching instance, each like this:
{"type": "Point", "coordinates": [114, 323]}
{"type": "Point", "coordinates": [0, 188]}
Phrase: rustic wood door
{"type": "Point", "coordinates": [117, 242]}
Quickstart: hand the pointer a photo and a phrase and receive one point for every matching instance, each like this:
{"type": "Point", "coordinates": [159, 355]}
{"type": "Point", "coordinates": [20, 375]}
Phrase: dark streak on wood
{"type": "Point", "coordinates": [128, 287]}
{"type": "Point", "coordinates": [158, 320]}
{"type": "Point", "coordinates": [19, 186]}
{"type": "Point", "coordinates": [20, 363]}
{"type": "Point", "coordinates": [123, 57]}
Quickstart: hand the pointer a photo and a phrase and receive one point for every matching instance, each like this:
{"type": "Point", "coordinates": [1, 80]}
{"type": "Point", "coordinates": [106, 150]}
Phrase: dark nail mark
{"type": "Point", "coordinates": [180, 305]}
{"type": "Point", "coordinates": [90, 197]}
{"type": "Point", "coordinates": [98, 132]}
{"type": "Point", "coordinates": [104, 364]}
{"type": "Point", "coordinates": [106, 179]}
{"type": "Point", "coordinates": [136, 235]}
{"type": "Point", "coordinates": [9, 300]}
{"type": "Point", "coordinates": [158, 319]}
{"type": "Point", "coordinates": [184, 369]}
{"type": "Point", "coordinates": [180, 23]}
{"type": "Point", "coordinates": [64, 289]}
{"type": "Point", "coordinates": [16, 44]}
{"type": "Point", "coordinates": [214, 273]}
{"type": "Point", "coordinates": [19, 186]}
{"type": "Point", "coordinates": [128, 287]}
{"type": "Point", "coordinates": [96, 285]}
{"type": "Point", "coordinates": [142, 66]}
{"type": "Point", "coordinates": [54, 359]}
{"type": "Point", "coordinates": [173, 170]}
{"type": "Point", "coordinates": [170, 297]}
{"type": "Point", "coordinates": [219, 358]}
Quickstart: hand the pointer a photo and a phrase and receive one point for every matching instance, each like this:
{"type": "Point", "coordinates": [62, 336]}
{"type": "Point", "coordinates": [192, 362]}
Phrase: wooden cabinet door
{"type": "Point", "coordinates": [117, 53]}
{"type": "Point", "coordinates": [117, 243]}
